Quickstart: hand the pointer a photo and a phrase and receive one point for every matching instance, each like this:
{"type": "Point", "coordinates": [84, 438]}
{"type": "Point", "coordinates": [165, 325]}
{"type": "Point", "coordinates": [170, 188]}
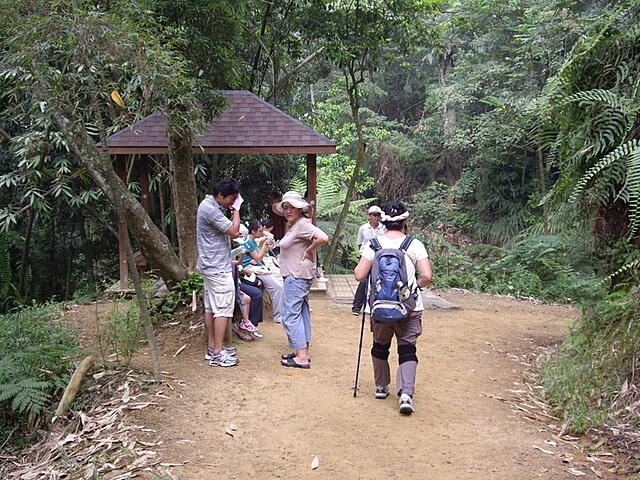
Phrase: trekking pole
{"type": "Point", "coordinates": [364, 304]}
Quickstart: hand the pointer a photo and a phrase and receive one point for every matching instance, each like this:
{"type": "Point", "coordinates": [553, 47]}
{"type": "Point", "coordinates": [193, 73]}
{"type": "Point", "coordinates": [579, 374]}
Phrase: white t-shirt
{"type": "Point", "coordinates": [366, 232]}
{"type": "Point", "coordinates": [415, 252]}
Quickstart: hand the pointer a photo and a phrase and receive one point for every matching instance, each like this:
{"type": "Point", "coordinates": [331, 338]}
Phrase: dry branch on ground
{"type": "Point", "coordinates": [97, 442]}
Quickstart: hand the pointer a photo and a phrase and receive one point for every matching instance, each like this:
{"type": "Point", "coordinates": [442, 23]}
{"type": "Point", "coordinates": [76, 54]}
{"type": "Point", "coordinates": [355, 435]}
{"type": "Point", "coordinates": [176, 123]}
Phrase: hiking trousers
{"type": "Point", "coordinates": [406, 332]}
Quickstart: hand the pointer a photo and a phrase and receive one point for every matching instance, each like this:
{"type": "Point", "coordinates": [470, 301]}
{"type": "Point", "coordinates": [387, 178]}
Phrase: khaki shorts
{"type": "Point", "coordinates": [219, 294]}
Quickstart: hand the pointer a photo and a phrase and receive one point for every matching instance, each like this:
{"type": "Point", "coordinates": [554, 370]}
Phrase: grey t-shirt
{"type": "Point", "coordinates": [214, 245]}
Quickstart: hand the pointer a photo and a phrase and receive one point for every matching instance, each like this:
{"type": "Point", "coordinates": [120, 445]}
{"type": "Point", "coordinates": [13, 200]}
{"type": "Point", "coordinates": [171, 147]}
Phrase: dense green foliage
{"type": "Point", "coordinates": [37, 355]}
{"type": "Point", "coordinates": [553, 268]}
{"type": "Point", "coordinates": [510, 128]}
{"type": "Point", "coordinates": [593, 131]}
{"type": "Point", "coordinates": [592, 377]}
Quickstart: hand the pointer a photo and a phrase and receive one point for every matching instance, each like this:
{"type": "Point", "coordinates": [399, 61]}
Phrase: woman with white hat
{"type": "Point", "coordinates": [298, 269]}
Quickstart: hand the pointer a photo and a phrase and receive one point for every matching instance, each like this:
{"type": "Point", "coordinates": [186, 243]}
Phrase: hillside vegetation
{"type": "Point", "coordinates": [510, 129]}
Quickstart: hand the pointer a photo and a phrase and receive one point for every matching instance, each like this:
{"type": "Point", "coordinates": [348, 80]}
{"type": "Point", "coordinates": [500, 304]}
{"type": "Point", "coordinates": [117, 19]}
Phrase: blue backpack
{"type": "Point", "coordinates": [390, 297]}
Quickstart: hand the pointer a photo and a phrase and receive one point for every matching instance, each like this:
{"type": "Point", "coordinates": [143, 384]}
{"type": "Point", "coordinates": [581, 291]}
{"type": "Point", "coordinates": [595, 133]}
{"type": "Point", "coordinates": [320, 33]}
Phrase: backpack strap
{"type": "Point", "coordinates": [406, 242]}
{"type": "Point", "coordinates": [375, 244]}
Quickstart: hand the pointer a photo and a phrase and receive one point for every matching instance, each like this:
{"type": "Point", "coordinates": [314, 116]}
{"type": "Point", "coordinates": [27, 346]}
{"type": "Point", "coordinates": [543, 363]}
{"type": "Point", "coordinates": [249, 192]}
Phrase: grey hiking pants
{"type": "Point", "coordinates": [406, 333]}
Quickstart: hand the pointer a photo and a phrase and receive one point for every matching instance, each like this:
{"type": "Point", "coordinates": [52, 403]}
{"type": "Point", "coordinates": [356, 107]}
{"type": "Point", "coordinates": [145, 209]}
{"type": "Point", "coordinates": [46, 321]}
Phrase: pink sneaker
{"type": "Point", "coordinates": [248, 326]}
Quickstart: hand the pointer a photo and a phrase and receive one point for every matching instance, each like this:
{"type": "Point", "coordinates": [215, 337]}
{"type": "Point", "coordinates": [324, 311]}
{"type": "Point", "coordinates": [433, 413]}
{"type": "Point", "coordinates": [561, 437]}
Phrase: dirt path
{"type": "Point", "coordinates": [262, 420]}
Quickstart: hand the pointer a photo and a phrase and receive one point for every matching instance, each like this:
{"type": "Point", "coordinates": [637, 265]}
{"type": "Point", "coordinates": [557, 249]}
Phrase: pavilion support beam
{"type": "Point", "coordinates": [312, 184]}
{"type": "Point", "coordinates": [144, 182]}
{"type": "Point", "coordinates": [121, 166]}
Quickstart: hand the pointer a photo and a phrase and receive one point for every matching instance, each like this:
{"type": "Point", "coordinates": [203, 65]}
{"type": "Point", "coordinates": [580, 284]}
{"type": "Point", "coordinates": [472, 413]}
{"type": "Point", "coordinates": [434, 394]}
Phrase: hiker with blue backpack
{"type": "Point", "coordinates": [397, 267]}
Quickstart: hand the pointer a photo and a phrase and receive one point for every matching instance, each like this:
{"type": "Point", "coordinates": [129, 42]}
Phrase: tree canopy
{"type": "Point", "coordinates": [509, 128]}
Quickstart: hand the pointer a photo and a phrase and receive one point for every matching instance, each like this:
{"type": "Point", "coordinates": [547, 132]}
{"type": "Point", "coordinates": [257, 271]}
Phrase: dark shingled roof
{"type": "Point", "coordinates": [249, 125]}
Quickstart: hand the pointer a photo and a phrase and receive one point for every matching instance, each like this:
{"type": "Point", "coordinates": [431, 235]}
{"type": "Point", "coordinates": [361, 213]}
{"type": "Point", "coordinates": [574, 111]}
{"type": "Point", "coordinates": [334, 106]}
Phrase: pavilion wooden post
{"type": "Point", "coordinates": [312, 184]}
{"type": "Point", "coordinates": [144, 182]}
{"type": "Point", "coordinates": [121, 166]}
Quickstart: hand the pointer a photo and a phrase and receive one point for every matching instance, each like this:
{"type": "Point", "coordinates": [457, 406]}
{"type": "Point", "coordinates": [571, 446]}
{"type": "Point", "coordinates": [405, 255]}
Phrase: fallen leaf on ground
{"type": "Point", "coordinates": [543, 450]}
{"type": "Point", "coordinates": [577, 473]}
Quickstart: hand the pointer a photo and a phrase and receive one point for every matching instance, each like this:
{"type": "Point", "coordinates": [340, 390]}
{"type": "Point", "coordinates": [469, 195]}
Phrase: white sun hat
{"type": "Point", "coordinates": [294, 199]}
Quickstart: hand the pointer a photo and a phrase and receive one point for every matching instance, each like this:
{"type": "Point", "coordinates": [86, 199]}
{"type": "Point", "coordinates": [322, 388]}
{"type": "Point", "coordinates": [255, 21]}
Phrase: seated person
{"type": "Point", "coordinates": [248, 301]}
{"type": "Point", "coordinates": [267, 234]}
{"type": "Point", "coordinates": [253, 258]}
{"type": "Point", "coordinates": [252, 308]}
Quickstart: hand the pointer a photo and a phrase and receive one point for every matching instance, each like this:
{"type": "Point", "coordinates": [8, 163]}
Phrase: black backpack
{"type": "Point", "coordinates": [390, 296]}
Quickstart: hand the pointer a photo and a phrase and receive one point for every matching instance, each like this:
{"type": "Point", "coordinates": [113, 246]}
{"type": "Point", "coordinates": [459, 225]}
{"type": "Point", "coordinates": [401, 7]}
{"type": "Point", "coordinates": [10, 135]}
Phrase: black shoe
{"type": "Point", "coordinates": [355, 311]}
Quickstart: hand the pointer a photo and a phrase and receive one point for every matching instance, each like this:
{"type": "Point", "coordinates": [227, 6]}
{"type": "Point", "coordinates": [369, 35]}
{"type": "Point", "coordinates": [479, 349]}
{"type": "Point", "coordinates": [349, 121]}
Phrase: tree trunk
{"type": "Point", "coordinates": [25, 254]}
{"type": "Point", "coordinates": [88, 256]}
{"type": "Point", "coordinates": [69, 271]}
{"type": "Point", "coordinates": [452, 161]}
{"type": "Point", "coordinates": [543, 190]}
{"type": "Point", "coordinates": [155, 247]}
{"type": "Point", "coordinates": [140, 296]}
{"type": "Point", "coordinates": [184, 198]}
{"type": "Point", "coordinates": [71, 391]}
{"type": "Point", "coordinates": [354, 102]}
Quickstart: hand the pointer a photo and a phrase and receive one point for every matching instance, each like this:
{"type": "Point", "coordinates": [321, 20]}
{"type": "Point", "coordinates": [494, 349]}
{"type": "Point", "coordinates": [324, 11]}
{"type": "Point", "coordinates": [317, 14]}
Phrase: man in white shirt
{"type": "Point", "coordinates": [373, 228]}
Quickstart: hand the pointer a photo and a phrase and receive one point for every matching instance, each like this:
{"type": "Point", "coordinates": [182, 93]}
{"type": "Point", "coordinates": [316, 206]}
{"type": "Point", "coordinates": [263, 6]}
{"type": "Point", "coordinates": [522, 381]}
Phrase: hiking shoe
{"type": "Point", "coordinates": [208, 353]}
{"type": "Point", "coordinates": [355, 311]}
{"type": "Point", "coordinates": [406, 404]}
{"type": "Point", "coordinates": [223, 359]}
{"type": "Point", "coordinates": [248, 326]}
{"type": "Point", "coordinates": [241, 333]}
{"type": "Point", "coordinates": [382, 392]}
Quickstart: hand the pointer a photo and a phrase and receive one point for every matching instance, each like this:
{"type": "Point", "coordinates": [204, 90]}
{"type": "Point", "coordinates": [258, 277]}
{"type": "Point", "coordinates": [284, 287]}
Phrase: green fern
{"type": "Point", "coordinates": [610, 116]}
{"type": "Point", "coordinates": [37, 354]}
{"type": "Point", "coordinates": [601, 97]}
{"type": "Point", "coordinates": [27, 396]}
{"type": "Point", "coordinates": [623, 180]}
{"type": "Point", "coordinates": [596, 125]}
{"type": "Point", "coordinates": [627, 267]}
{"type": "Point", "coordinates": [330, 196]}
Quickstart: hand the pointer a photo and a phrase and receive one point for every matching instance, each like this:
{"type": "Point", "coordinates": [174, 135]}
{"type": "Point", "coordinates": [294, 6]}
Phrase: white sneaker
{"type": "Point", "coordinates": [382, 392]}
{"type": "Point", "coordinates": [223, 359]}
{"type": "Point", "coordinates": [406, 404]}
{"type": "Point", "coordinates": [208, 353]}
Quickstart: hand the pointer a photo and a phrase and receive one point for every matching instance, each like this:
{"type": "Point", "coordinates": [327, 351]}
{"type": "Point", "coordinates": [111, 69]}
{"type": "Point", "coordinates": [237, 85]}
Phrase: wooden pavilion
{"type": "Point", "coordinates": [248, 126]}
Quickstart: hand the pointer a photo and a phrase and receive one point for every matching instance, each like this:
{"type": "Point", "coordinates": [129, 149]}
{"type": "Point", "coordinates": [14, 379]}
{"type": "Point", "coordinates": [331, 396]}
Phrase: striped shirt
{"type": "Point", "coordinates": [214, 245]}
